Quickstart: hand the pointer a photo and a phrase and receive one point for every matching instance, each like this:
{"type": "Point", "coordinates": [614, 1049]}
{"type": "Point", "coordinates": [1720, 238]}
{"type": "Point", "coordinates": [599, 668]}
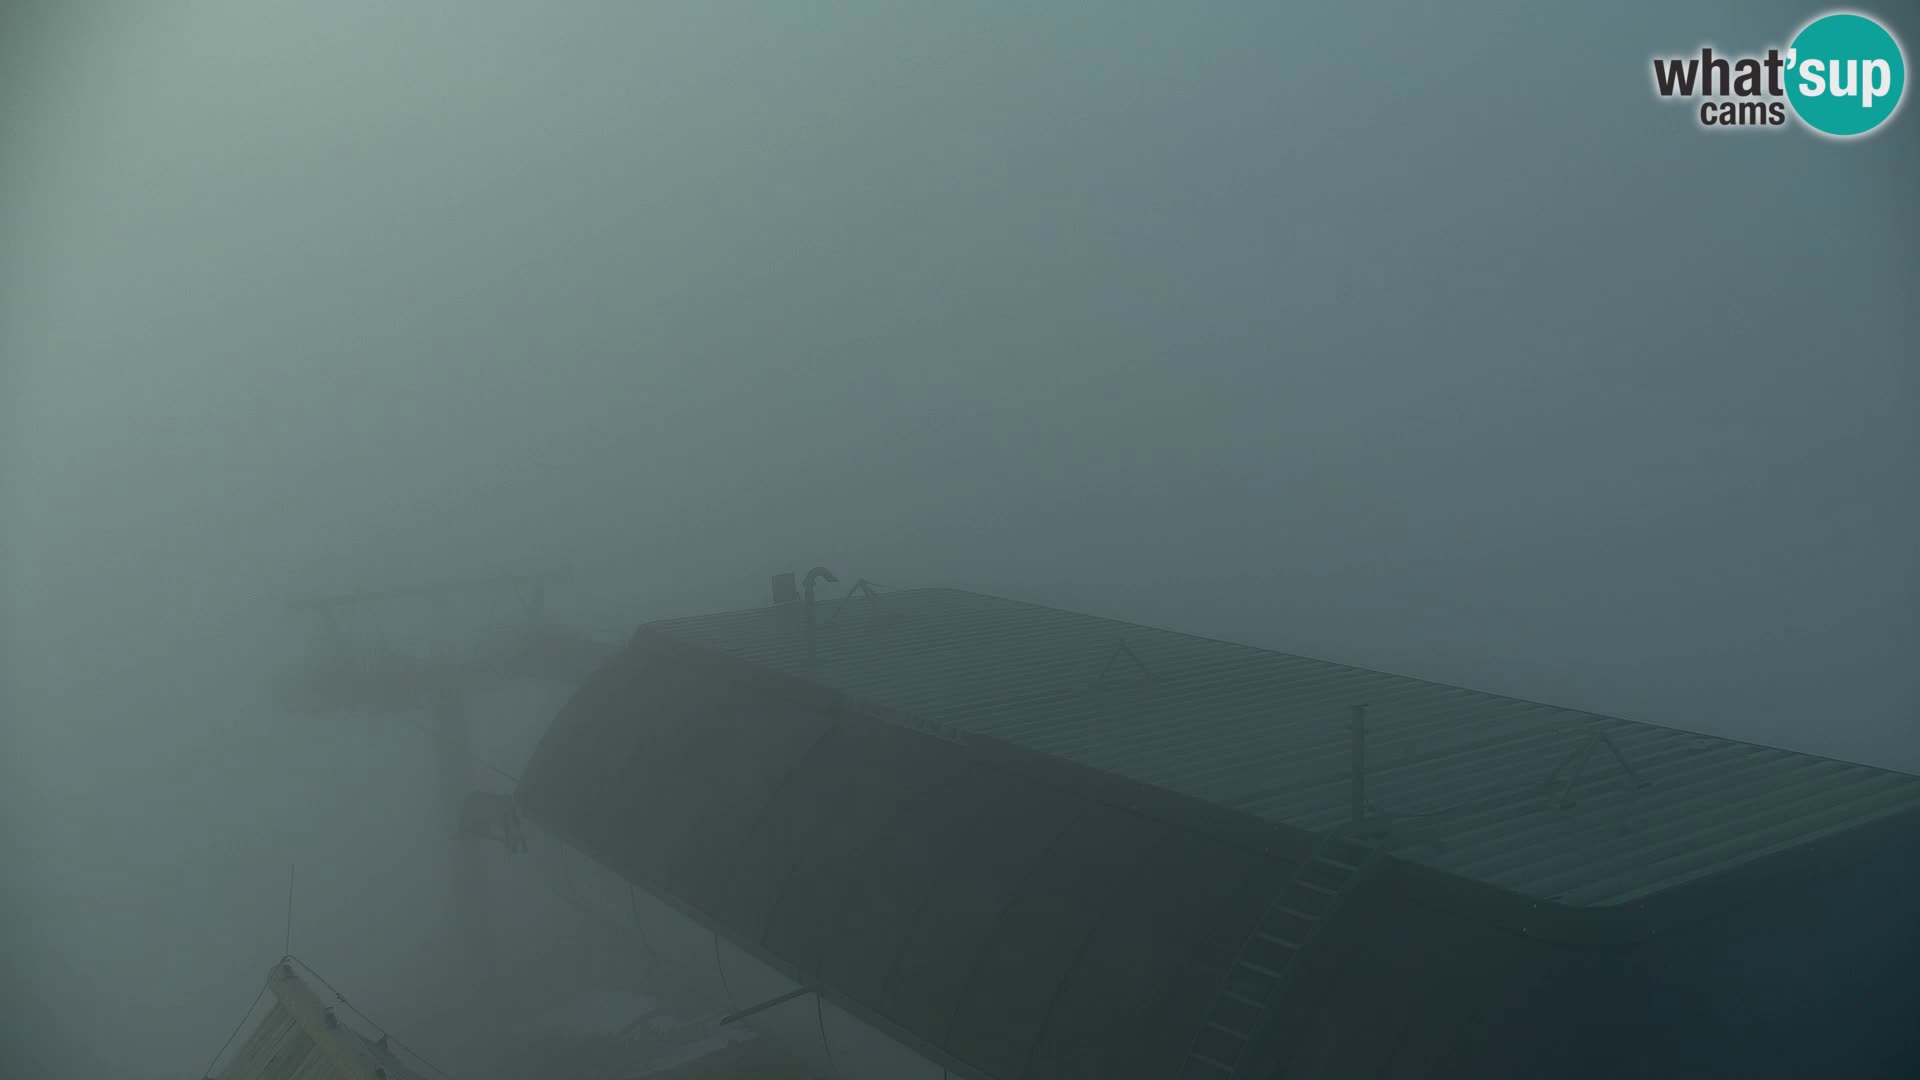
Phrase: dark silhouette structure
{"type": "Point", "coordinates": [1029, 843]}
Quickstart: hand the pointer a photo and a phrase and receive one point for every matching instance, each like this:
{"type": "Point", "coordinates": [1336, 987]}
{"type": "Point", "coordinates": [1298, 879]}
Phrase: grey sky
{"type": "Point", "coordinates": [1422, 338]}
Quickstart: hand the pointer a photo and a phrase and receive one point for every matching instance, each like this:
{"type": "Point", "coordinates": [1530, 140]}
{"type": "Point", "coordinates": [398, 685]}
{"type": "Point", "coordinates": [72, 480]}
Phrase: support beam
{"type": "Point", "coordinates": [736, 1017]}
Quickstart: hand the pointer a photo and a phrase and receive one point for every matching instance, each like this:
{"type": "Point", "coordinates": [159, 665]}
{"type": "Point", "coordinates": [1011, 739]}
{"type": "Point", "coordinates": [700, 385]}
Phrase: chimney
{"type": "Point", "coordinates": [818, 573]}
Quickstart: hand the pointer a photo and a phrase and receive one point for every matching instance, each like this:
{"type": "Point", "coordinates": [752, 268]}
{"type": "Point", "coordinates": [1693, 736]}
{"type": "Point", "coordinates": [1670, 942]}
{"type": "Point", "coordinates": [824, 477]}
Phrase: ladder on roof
{"type": "Point", "coordinates": [1291, 924]}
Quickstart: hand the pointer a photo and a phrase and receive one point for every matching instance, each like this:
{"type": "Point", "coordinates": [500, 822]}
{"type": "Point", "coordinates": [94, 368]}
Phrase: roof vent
{"type": "Point", "coordinates": [784, 590]}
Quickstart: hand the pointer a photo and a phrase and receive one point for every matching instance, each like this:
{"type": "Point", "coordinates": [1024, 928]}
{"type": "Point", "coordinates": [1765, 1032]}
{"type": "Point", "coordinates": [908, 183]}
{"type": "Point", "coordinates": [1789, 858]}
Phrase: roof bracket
{"type": "Point", "coordinates": [1123, 649]}
{"type": "Point", "coordinates": [1576, 761]}
{"type": "Point", "coordinates": [876, 613]}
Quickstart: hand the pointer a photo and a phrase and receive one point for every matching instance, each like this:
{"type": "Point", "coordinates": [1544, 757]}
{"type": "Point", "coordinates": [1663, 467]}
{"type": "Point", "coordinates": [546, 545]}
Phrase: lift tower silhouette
{"type": "Point", "coordinates": [348, 671]}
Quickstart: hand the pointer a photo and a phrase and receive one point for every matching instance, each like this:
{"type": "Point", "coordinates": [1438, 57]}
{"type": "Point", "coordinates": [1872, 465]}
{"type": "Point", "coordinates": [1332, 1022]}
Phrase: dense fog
{"type": "Point", "coordinates": [1419, 337]}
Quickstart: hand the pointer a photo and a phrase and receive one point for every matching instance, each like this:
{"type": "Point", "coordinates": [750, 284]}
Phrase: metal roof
{"type": "Point", "coordinates": [301, 1039]}
{"type": "Point", "coordinates": [1464, 774]}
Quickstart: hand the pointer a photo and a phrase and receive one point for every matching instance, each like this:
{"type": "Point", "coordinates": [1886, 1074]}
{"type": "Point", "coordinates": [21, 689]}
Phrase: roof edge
{"type": "Point", "coordinates": [1622, 923]}
{"type": "Point", "coordinates": [1591, 714]}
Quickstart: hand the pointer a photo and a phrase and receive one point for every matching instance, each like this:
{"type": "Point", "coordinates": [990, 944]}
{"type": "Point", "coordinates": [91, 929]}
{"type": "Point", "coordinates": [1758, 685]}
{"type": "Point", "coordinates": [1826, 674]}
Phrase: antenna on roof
{"type": "Point", "coordinates": [1365, 824]}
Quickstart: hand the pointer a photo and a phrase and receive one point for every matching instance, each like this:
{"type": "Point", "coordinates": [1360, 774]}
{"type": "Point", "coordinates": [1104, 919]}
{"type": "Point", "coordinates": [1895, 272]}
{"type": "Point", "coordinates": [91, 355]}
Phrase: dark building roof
{"type": "Point", "coordinates": [1265, 734]}
{"type": "Point", "coordinates": [973, 824]}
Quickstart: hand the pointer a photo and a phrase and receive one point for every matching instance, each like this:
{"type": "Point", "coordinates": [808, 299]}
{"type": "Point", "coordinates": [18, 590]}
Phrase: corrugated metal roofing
{"type": "Point", "coordinates": [1463, 773]}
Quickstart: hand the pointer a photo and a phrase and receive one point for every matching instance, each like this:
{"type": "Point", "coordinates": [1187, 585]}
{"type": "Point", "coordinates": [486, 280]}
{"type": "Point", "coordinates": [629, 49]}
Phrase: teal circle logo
{"type": "Point", "coordinates": [1845, 74]}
